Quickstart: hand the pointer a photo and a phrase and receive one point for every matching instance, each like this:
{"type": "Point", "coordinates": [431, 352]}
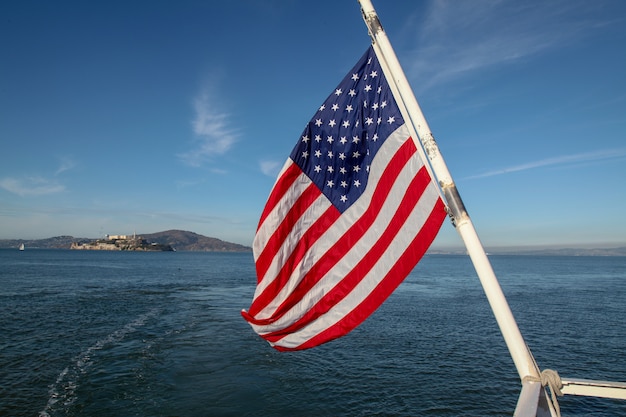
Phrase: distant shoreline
{"type": "Point", "coordinates": [190, 242]}
{"type": "Point", "coordinates": [608, 252]}
{"type": "Point", "coordinates": [178, 240]}
{"type": "Point", "coordinates": [530, 251]}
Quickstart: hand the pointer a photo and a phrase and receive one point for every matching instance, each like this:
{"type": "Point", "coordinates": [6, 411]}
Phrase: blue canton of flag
{"type": "Point", "coordinates": [341, 140]}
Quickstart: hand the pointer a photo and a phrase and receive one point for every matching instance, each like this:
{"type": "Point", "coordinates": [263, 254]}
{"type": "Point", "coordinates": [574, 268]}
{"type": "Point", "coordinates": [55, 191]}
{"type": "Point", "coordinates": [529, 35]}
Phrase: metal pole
{"type": "Point", "coordinates": [524, 362]}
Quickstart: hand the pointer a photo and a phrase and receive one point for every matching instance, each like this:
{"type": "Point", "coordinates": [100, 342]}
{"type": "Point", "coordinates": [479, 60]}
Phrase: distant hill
{"type": "Point", "coordinates": [178, 239]}
{"type": "Point", "coordinates": [189, 241]}
{"type": "Point", "coordinates": [57, 242]}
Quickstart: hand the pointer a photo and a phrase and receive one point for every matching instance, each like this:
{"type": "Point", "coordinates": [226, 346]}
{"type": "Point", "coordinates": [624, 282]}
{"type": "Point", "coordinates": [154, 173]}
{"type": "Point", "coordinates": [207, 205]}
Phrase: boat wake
{"type": "Point", "coordinates": [63, 391]}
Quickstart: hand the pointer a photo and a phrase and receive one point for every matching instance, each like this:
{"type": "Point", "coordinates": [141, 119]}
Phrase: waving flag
{"type": "Point", "coordinates": [350, 215]}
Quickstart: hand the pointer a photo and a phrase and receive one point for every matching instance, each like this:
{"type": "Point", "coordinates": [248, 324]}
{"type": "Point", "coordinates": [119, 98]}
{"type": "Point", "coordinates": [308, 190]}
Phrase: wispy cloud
{"type": "Point", "coordinates": [37, 185]}
{"type": "Point", "coordinates": [66, 165]}
{"type": "Point", "coordinates": [31, 186]}
{"type": "Point", "coordinates": [219, 171]}
{"type": "Point", "coordinates": [458, 38]}
{"type": "Point", "coordinates": [212, 128]}
{"type": "Point", "coordinates": [270, 168]}
{"type": "Point", "coordinates": [556, 161]}
{"type": "Point", "coordinates": [189, 183]}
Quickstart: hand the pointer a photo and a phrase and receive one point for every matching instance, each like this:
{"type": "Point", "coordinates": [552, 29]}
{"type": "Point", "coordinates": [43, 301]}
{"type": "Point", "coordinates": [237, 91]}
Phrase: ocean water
{"type": "Point", "coordinates": [159, 334]}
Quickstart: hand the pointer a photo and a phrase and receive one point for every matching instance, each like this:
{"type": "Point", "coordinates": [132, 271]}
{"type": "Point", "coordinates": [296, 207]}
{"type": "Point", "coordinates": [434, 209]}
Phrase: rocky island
{"type": "Point", "coordinates": [122, 242]}
{"type": "Point", "coordinates": [177, 240]}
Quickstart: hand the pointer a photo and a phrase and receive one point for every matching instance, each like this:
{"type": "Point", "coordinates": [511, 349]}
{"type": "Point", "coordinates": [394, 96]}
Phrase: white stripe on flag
{"type": "Point", "coordinates": [365, 287]}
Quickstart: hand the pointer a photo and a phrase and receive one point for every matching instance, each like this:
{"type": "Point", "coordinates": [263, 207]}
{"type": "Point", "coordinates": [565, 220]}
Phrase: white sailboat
{"type": "Point", "coordinates": [22, 247]}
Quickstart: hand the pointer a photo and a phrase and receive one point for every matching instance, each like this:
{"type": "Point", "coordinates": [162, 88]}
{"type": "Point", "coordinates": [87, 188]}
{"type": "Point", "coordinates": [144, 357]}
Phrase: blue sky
{"type": "Point", "coordinates": [142, 116]}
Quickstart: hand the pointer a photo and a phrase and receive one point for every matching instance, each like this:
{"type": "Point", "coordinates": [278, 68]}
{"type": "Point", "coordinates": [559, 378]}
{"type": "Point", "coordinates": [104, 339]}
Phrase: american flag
{"type": "Point", "coordinates": [352, 212]}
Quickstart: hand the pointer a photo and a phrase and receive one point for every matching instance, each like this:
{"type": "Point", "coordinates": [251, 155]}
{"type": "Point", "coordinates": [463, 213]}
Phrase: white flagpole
{"type": "Point", "coordinates": [521, 355]}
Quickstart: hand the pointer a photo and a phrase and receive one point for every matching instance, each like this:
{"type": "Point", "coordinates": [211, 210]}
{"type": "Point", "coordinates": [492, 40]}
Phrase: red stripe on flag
{"type": "Point", "coordinates": [312, 234]}
{"type": "Point", "coordinates": [282, 185]}
{"type": "Point", "coordinates": [304, 201]}
{"type": "Point", "coordinates": [393, 278]}
{"type": "Point", "coordinates": [354, 233]}
{"type": "Point", "coordinates": [411, 198]}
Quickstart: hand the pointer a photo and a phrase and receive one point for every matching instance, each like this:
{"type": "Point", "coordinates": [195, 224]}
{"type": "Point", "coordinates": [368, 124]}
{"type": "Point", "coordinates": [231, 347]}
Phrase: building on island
{"type": "Point", "coordinates": [121, 242]}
